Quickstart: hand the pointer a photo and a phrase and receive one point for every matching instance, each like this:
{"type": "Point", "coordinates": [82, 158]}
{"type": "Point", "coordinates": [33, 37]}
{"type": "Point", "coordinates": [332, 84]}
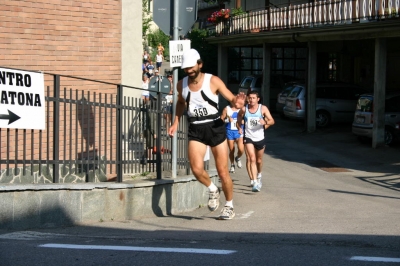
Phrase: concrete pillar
{"type": "Point", "coordinates": [131, 48]}
{"type": "Point", "coordinates": [378, 131]}
{"type": "Point", "coordinates": [311, 87]}
{"type": "Point", "coordinates": [223, 63]}
{"type": "Point", "coordinates": [266, 85]}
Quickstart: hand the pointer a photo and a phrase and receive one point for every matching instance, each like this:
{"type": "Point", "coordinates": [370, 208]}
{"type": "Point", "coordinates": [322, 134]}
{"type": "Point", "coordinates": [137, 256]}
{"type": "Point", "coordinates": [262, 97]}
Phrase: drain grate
{"type": "Point", "coordinates": [327, 166]}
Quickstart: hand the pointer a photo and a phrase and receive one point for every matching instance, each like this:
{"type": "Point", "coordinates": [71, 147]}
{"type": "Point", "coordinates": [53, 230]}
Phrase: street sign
{"type": "Point", "coordinates": [22, 103]}
{"type": "Point", "coordinates": [176, 49]}
{"type": "Point", "coordinates": [154, 86]}
{"type": "Point", "coordinates": [163, 15]}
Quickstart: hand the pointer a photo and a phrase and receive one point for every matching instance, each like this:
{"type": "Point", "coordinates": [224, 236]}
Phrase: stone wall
{"type": "Point", "coordinates": [58, 205]}
{"type": "Point", "coordinates": [74, 173]}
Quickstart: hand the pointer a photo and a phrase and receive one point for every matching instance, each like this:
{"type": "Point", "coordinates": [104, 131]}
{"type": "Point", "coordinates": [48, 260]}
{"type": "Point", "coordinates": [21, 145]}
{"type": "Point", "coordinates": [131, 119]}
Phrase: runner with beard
{"type": "Point", "coordinates": [199, 92]}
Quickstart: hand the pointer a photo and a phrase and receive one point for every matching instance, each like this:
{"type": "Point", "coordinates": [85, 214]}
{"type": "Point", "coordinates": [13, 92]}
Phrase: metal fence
{"type": "Point", "coordinates": [95, 132]}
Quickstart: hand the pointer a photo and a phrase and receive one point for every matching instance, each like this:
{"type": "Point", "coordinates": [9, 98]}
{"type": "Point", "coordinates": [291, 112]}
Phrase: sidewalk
{"type": "Point", "coordinates": [334, 149]}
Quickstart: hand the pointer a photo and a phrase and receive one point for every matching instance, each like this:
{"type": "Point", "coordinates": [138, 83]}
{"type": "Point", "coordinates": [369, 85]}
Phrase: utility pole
{"type": "Point", "coordinates": [175, 95]}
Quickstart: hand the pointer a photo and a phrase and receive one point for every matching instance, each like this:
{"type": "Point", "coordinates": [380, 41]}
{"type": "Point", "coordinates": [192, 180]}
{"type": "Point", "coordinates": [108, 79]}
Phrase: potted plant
{"type": "Point", "coordinates": [237, 11]}
{"type": "Point", "coordinates": [219, 16]}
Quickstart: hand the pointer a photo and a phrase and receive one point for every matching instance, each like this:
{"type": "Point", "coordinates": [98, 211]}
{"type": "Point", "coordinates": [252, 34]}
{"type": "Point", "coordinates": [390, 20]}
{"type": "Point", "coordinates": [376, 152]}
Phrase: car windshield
{"type": "Point", "coordinates": [246, 82]}
{"type": "Point", "coordinates": [287, 90]}
{"type": "Point", "coordinates": [295, 91]}
{"type": "Point", "coordinates": [365, 104]}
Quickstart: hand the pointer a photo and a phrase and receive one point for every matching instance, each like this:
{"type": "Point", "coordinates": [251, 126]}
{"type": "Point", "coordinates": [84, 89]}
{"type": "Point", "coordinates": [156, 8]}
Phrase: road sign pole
{"type": "Point", "coordinates": [175, 94]}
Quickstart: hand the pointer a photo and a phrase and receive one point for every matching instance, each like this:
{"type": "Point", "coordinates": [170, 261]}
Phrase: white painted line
{"type": "Point", "coordinates": [246, 215]}
{"type": "Point", "coordinates": [147, 249]}
{"type": "Point", "coordinates": [377, 259]}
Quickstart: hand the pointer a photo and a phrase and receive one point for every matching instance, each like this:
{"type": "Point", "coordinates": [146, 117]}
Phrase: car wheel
{"type": "Point", "coordinates": [323, 119]}
{"type": "Point", "coordinates": [389, 136]}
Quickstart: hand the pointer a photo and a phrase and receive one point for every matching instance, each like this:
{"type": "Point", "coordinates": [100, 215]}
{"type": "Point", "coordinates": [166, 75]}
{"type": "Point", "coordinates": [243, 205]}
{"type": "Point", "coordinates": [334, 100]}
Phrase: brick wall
{"type": "Point", "coordinates": [77, 38]}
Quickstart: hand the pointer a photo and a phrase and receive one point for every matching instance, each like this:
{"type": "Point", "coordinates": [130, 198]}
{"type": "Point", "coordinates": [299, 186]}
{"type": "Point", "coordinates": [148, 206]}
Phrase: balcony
{"type": "Point", "coordinates": [319, 14]}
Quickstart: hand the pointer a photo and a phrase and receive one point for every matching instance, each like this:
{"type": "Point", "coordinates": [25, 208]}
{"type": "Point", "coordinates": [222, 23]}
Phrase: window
{"type": "Point", "coordinates": [295, 92]}
{"type": "Point", "coordinates": [289, 61]}
{"type": "Point", "coordinates": [244, 61]}
{"type": "Point", "coordinates": [332, 67]}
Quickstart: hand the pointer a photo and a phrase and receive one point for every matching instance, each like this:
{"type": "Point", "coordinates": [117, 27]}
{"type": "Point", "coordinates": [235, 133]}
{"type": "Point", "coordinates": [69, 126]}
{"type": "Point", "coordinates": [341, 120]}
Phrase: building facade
{"type": "Point", "coordinates": [352, 41]}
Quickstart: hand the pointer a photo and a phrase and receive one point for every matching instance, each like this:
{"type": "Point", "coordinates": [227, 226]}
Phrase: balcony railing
{"type": "Point", "coordinates": [316, 14]}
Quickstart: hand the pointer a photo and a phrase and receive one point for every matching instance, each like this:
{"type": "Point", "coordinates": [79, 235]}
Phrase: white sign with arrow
{"type": "Point", "coordinates": [22, 103]}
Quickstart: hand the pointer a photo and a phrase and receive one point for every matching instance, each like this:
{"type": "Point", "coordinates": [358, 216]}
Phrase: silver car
{"type": "Point", "coordinates": [278, 83]}
{"type": "Point", "coordinates": [281, 101]}
{"type": "Point", "coordinates": [363, 118]}
{"type": "Point", "coordinates": [335, 102]}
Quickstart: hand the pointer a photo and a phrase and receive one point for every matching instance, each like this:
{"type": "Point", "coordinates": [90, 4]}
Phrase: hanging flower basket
{"type": "Point", "coordinates": [219, 16]}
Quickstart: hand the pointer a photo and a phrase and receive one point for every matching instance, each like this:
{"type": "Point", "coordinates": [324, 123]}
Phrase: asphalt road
{"type": "Point", "coordinates": [326, 200]}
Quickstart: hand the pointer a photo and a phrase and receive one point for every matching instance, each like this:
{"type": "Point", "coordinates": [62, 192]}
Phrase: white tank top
{"type": "Point", "coordinates": [202, 105]}
{"type": "Point", "coordinates": [252, 127]}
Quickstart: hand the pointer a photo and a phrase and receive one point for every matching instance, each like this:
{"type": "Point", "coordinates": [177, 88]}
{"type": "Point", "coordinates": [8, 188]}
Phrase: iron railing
{"type": "Point", "coordinates": [313, 14]}
{"type": "Point", "coordinates": [93, 134]}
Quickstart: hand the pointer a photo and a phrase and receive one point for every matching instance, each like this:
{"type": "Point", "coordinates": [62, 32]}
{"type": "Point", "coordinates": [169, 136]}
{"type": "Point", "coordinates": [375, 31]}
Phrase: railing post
{"type": "Point", "coordinates": [119, 135]}
{"type": "Point", "coordinates": [56, 126]}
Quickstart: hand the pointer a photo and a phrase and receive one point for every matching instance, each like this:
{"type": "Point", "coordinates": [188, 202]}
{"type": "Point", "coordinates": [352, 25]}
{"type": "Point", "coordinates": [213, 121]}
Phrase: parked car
{"type": "Point", "coordinates": [254, 82]}
{"type": "Point", "coordinates": [363, 117]}
{"type": "Point", "coordinates": [250, 83]}
{"type": "Point", "coordinates": [281, 99]}
{"type": "Point", "coordinates": [335, 102]}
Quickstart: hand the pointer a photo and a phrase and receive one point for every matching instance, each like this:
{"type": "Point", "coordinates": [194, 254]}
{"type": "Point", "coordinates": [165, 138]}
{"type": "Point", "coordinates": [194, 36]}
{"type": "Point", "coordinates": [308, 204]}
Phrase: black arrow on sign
{"type": "Point", "coordinates": [11, 117]}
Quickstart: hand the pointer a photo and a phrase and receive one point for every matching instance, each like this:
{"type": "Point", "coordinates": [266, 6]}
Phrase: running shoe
{"type": "Point", "coordinates": [251, 182]}
{"type": "Point", "coordinates": [227, 213]}
{"type": "Point", "coordinates": [232, 170]}
{"type": "Point", "coordinates": [213, 200]}
{"type": "Point", "coordinates": [256, 187]}
{"type": "Point", "coordinates": [238, 162]}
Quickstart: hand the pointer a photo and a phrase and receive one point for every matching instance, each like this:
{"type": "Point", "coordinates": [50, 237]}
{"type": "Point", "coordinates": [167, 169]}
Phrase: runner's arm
{"type": "Point", "coordinates": [267, 117]}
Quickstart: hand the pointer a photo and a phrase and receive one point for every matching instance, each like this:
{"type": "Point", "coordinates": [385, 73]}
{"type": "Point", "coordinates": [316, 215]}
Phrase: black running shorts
{"type": "Point", "coordinates": [258, 145]}
{"type": "Point", "coordinates": [211, 133]}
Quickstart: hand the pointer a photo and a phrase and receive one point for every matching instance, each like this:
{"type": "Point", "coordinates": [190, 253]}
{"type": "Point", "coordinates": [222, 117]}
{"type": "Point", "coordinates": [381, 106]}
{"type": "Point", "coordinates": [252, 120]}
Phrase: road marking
{"type": "Point", "coordinates": [247, 215]}
{"type": "Point", "coordinates": [378, 259]}
{"type": "Point", "coordinates": [148, 249]}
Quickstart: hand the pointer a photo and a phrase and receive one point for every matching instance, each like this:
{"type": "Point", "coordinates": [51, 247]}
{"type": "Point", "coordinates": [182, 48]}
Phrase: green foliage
{"type": "Point", "coordinates": [237, 11]}
{"type": "Point", "coordinates": [146, 17]}
{"type": "Point", "coordinates": [156, 37]}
